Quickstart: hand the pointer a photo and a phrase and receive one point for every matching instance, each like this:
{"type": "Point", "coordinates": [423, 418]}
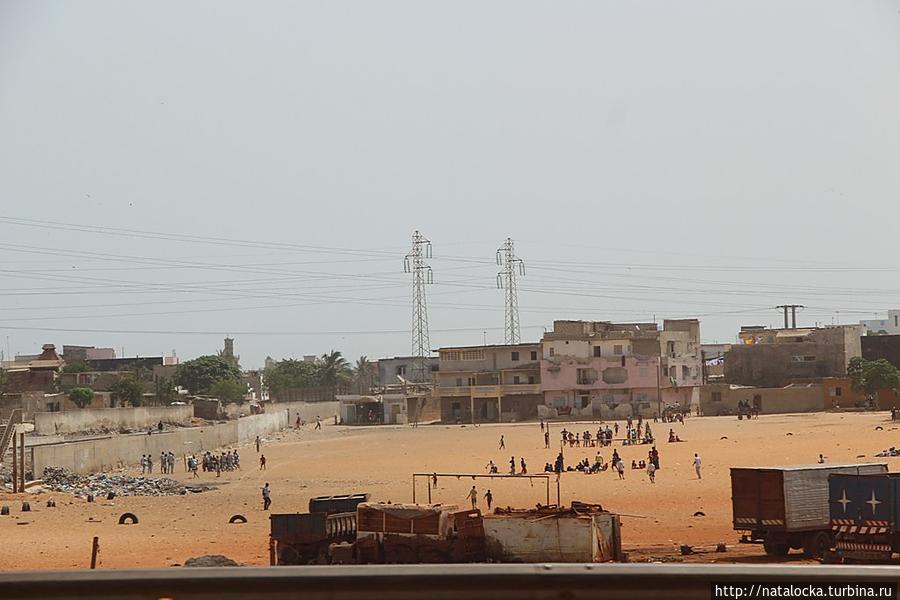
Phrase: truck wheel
{"type": "Point", "coordinates": [816, 545]}
{"type": "Point", "coordinates": [775, 549]}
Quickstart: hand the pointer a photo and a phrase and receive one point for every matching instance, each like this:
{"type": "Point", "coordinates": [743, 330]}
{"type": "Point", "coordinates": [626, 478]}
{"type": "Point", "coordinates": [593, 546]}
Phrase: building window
{"type": "Point", "coordinates": [685, 372]}
{"type": "Point", "coordinates": [836, 392]}
{"type": "Point", "coordinates": [596, 351]}
{"type": "Point", "coordinates": [717, 396]}
{"type": "Point", "coordinates": [450, 355]}
{"type": "Point", "coordinates": [617, 349]}
{"type": "Point", "coordinates": [473, 355]}
{"type": "Point", "coordinates": [534, 355]}
{"type": "Point", "coordinates": [804, 358]}
{"type": "Point", "coordinates": [471, 381]}
{"type": "Point", "coordinates": [435, 368]}
{"type": "Point", "coordinates": [552, 351]}
{"type": "Point", "coordinates": [673, 372]}
{"type": "Point", "coordinates": [531, 379]}
{"type": "Point", "coordinates": [516, 379]}
{"type": "Point", "coordinates": [459, 382]}
{"type": "Point", "coordinates": [585, 376]}
{"type": "Point", "coordinates": [515, 357]}
{"type": "Point", "coordinates": [585, 401]}
{"type": "Point", "coordinates": [401, 370]}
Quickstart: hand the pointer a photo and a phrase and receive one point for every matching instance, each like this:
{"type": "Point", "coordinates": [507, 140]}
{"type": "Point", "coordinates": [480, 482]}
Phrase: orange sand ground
{"type": "Point", "coordinates": [380, 460]}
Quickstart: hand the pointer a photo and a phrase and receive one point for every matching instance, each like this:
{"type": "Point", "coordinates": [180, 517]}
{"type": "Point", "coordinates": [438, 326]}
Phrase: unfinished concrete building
{"type": "Point", "coordinates": [604, 369]}
{"type": "Point", "coordinates": [774, 358]}
{"type": "Point", "coordinates": [491, 383]}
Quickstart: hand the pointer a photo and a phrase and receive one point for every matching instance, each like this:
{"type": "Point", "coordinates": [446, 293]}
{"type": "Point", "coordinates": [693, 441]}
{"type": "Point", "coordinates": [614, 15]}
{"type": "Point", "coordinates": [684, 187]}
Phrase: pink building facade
{"type": "Point", "coordinates": [605, 370]}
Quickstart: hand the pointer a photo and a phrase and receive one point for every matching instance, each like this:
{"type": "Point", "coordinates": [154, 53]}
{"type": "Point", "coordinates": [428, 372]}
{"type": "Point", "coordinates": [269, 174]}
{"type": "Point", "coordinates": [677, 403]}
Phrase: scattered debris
{"type": "Point", "coordinates": [126, 517]}
{"type": "Point", "coordinates": [699, 513]}
{"type": "Point", "coordinates": [63, 480]}
{"type": "Point", "coordinates": [210, 560]}
{"type": "Point", "coordinates": [724, 437]}
{"type": "Point", "coordinates": [721, 547]}
{"type": "Point", "coordinates": [685, 549]}
{"type": "Point", "coordinates": [789, 433]}
{"type": "Point", "coordinates": [237, 519]}
{"type": "Point", "coordinates": [892, 451]}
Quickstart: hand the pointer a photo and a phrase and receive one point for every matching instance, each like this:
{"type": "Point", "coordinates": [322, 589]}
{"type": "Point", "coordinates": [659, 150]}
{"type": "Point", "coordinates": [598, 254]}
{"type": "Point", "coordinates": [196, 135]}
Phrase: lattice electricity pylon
{"type": "Point", "coordinates": [414, 262]}
{"type": "Point", "coordinates": [506, 280]}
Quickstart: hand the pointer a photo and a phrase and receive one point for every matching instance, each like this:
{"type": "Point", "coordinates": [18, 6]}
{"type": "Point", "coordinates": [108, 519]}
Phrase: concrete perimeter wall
{"type": "Point", "coordinates": [307, 410]}
{"type": "Point", "coordinates": [111, 419]}
{"type": "Point", "coordinates": [100, 454]}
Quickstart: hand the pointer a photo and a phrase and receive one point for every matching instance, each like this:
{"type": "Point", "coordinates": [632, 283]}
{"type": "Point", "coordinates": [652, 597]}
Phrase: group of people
{"type": "Point", "coordinates": [604, 437]}
{"type": "Point", "coordinates": [166, 463]}
{"type": "Point", "coordinates": [226, 461]}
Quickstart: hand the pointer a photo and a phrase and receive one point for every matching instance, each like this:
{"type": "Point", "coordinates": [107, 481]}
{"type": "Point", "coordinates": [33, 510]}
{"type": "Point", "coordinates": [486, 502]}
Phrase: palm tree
{"type": "Point", "coordinates": [362, 374]}
{"type": "Point", "coordinates": [333, 369]}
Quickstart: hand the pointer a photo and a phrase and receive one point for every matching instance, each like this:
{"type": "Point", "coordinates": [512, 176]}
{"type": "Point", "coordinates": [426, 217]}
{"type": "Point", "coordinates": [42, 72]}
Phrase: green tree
{"type": "Point", "coordinates": [290, 374]}
{"type": "Point", "coordinates": [362, 375]}
{"type": "Point", "coordinates": [81, 397]}
{"type": "Point", "coordinates": [228, 390]}
{"type": "Point", "coordinates": [78, 366]}
{"type": "Point", "coordinates": [165, 391]}
{"type": "Point", "coordinates": [128, 390]}
{"type": "Point", "coordinates": [333, 369]}
{"type": "Point", "coordinates": [872, 376]}
{"type": "Point", "coordinates": [198, 375]}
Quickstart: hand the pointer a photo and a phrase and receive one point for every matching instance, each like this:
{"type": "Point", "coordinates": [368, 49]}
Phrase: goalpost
{"type": "Point", "coordinates": [428, 477]}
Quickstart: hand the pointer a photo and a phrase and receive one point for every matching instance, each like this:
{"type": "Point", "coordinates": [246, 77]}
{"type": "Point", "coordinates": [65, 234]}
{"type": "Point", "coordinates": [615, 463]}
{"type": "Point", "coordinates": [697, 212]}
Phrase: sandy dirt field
{"type": "Point", "coordinates": [381, 460]}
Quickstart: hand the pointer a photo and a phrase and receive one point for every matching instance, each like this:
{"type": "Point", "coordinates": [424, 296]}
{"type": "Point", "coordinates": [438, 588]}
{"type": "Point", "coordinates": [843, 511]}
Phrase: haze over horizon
{"type": "Point", "coordinates": [172, 173]}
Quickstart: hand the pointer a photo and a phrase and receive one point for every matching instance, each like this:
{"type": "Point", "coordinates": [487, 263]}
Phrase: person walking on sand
{"type": "Point", "coordinates": [266, 496]}
{"type": "Point", "coordinates": [547, 439]}
{"type": "Point", "coordinates": [489, 498]}
{"type": "Point", "coordinates": [262, 462]}
{"type": "Point", "coordinates": [651, 471]}
{"type": "Point", "coordinates": [512, 465]}
{"type": "Point", "coordinates": [318, 423]}
{"type": "Point", "coordinates": [258, 441]}
{"type": "Point", "coordinates": [502, 443]}
{"type": "Point", "coordinates": [697, 465]}
{"type": "Point", "coordinates": [542, 426]}
{"type": "Point", "coordinates": [620, 468]}
{"type": "Point", "coordinates": [473, 496]}
{"type": "Point", "coordinates": [524, 467]}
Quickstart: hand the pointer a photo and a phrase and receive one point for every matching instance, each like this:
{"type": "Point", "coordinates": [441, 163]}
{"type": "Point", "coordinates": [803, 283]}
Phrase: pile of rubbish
{"type": "Point", "coordinates": [101, 484]}
{"type": "Point", "coordinates": [889, 452]}
{"type": "Point", "coordinates": [210, 560]}
{"type": "Point", "coordinates": [577, 509]}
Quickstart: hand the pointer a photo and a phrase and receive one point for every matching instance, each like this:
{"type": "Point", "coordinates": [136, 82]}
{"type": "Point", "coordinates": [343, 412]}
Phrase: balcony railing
{"type": "Point", "coordinates": [490, 391]}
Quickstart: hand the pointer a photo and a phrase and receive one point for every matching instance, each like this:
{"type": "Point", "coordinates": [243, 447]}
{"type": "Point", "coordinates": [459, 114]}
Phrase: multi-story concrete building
{"type": "Point", "coordinates": [390, 370]}
{"type": "Point", "coordinates": [889, 326]}
{"type": "Point", "coordinates": [489, 383]}
{"type": "Point", "coordinates": [599, 368]}
{"type": "Point", "coordinates": [776, 357]}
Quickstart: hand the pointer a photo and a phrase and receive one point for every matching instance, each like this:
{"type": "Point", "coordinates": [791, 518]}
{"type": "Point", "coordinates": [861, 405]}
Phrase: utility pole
{"type": "Point", "coordinates": [506, 280]}
{"type": "Point", "coordinates": [414, 262]}
{"type": "Point", "coordinates": [793, 308]}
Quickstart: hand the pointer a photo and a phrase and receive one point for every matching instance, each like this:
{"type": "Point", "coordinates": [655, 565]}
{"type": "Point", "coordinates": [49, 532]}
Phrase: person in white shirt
{"type": "Point", "coordinates": [697, 465]}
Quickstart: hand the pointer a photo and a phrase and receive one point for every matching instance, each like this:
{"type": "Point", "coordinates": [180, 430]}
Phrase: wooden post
{"type": "Point", "coordinates": [95, 549]}
{"type": "Point", "coordinates": [271, 552]}
{"type": "Point", "coordinates": [22, 461]}
{"type": "Point", "coordinates": [428, 481]}
{"type": "Point", "coordinates": [15, 462]}
{"type": "Point", "coordinates": [414, 489]}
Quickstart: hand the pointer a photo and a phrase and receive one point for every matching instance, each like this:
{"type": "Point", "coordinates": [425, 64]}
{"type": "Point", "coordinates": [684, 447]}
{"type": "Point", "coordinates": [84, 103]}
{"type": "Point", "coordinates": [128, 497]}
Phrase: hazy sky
{"type": "Point", "coordinates": [688, 158]}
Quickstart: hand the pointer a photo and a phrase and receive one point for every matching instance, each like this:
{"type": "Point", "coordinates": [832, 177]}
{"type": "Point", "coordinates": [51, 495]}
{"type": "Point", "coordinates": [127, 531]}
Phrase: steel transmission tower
{"type": "Point", "coordinates": [414, 262]}
{"type": "Point", "coordinates": [506, 280]}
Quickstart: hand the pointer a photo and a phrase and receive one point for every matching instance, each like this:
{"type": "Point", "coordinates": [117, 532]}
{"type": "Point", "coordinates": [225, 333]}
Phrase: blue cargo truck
{"type": "Point", "coordinates": [865, 516]}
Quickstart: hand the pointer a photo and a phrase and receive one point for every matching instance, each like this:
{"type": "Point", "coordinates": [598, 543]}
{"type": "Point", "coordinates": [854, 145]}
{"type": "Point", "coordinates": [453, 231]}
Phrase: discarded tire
{"type": "Point", "coordinates": [4, 510]}
{"type": "Point", "coordinates": [237, 519]}
{"type": "Point", "coordinates": [26, 507]}
{"type": "Point", "coordinates": [128, 517]}
{"type": "Point", "coordinates": [110, 495]}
